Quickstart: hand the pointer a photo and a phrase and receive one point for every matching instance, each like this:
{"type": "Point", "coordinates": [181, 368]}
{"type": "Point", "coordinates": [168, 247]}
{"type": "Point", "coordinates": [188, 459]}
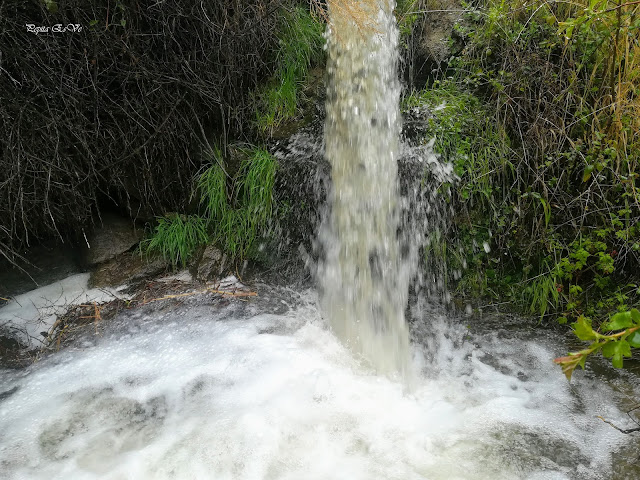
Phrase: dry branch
{"type": "Point", "coordinates": [109, 114]}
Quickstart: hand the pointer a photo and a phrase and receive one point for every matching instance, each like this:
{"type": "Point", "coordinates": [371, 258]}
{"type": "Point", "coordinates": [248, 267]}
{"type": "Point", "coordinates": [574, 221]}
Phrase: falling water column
{"type": "Point", "coordinates": [363, 283]}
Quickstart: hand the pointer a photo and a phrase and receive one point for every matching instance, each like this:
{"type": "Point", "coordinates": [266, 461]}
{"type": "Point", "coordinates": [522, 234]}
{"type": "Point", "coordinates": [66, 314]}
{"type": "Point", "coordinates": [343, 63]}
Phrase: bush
{"type": "Point", "coordinates": [546, 147]}
{"type": "Point", "coordinates": [551, 184]}
{"type": "Point", "coordinates": [117, 112]}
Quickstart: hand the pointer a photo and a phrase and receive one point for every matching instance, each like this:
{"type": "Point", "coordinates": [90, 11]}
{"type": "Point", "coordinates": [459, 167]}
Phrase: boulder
{"type": "Point", "coordinates": [127, 268]}
{"type": "Point", "coordinates": [114, 236]}
{"type": "Point", "coordinates": [209, 264]}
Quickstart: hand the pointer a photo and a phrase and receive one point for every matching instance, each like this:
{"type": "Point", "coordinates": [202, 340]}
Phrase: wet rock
{"type": "Point", "coordinates": [45, 263]}
{"type": "Point", "coordinates": [114, 236]}
{"type": "Point", "coordinates": [433, 42]}
{"type": "Point", "coordinates": [209, 264]}
{"type": "Point", "coordinates": [127, 268]}
{"type": "Point", "coordinates": [438, 31]}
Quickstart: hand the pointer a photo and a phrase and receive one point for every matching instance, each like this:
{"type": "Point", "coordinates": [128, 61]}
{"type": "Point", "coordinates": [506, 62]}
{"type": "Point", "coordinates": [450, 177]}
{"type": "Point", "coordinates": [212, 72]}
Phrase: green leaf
{"type": "Point", "coordinates": [609, 349]}
{"type": "Point", "coordinates": [635, 316]}
{"type": "Point", "coordinates": [615, 351]}
{"type": "Point", "coordinates": [582, 361]}
{"type": "Point", "coordinates": [623, 348]}
{"type": "Point", "coordinates": [634, 340]}
{"type": "Point", "coordinates": [619, 321]}
{"type": "Point", "coordinates": [616, 360]}
{"type": "Point", "coordinates": [587, 173]}
{"type": "Point", "coordinates": [582, 329]}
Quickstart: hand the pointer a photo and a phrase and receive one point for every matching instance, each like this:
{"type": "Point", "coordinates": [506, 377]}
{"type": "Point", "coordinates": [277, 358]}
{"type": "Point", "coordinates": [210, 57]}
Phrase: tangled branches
{"type": "Point", "coordinates": [117, 110]}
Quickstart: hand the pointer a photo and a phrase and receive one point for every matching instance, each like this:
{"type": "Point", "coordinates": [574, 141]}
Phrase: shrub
{"type": "Point", "coordinates": [116, 112]}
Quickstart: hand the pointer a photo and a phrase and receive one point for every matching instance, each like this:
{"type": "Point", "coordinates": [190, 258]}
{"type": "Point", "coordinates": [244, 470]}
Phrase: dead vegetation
{"type": "Point", "coordinates": [92, 318]}
{"type": "Point", "coordinates": [117, 111]}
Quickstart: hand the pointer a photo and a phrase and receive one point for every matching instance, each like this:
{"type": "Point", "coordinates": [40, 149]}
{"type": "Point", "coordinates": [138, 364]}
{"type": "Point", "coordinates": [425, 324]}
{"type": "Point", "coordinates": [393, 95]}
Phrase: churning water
{"type": "Point", "coordinates": [363, 279]}
{"type": "Point", "coordinates": [207, 391]}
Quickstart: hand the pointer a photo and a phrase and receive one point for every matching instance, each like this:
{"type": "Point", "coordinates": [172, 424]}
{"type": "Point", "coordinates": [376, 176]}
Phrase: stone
{"type": "Point", "coordinates": [114, 236]}
{"type": "Point", "coordinates": [209, 265]}
{"type": "Point", "coordinates": [127, 268]}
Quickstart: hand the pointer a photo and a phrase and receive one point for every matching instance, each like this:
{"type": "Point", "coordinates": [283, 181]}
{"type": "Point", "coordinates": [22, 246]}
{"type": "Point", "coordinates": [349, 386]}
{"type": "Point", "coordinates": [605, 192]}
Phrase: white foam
{"type": "Point", "coordinates": [278, 397]}
{"type": "Point", "coordinates": [27, 315]}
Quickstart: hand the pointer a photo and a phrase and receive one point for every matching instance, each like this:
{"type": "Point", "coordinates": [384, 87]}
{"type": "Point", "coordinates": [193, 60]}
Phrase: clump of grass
{"type": "Point", "coordinates": [300, 45]}
{"type": "Point", "coordinates": [237, 216]}
{"type": "Point", "coordinates": [257, 179]}
{"type": "Point", "coordinates": [176, 237]}
{"type": "Point", "coordinates": [212, 186]}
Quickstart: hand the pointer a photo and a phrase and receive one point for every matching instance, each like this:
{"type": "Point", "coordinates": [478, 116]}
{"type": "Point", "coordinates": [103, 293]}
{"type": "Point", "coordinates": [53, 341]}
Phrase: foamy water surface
{"type": "Point", "coordinates": [237, 392]}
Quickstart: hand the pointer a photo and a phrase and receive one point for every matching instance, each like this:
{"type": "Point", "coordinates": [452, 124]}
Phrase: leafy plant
{"type": "Point", "coordinates": [537, 114]}
{"type": "Point", "coordinates": [625, 335]}
{"type": "Point", "coordinates": [238, 214]}
{"type": "Point", "coordinates": [212, 186]}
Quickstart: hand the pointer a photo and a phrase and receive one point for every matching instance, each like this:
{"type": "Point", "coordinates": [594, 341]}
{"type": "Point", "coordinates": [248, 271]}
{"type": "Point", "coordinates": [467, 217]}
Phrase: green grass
{"type": "Point", "coordinates": [257, 181]}
{"type": "Point", "coordinates": [300, 45]}
{"type": "Point", "coordinates": [212, 186]}
{"type": "Point", "coordinates": [176, 237]}
{"type": "Point", "coordinates": [235, 211]}
{"type": "Point", "coordinates": [237, 216]}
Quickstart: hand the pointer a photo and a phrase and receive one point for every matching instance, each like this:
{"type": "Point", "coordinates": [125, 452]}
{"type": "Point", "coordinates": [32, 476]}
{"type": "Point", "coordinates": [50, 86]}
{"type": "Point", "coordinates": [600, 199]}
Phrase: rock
{"type": "Point", "coordinates": [433, 42]}
{"type": "Point", "coordinates": [438, 30]}
{"type": "Point", "coordinates": [127, 268]}
{"type": "Point", "coordinates": [116, 235]}
{"type": "Point", "coordinates": [209, 264]}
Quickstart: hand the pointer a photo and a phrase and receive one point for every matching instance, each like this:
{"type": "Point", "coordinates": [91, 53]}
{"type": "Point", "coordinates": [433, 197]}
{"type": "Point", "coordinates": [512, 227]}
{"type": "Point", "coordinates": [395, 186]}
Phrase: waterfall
{"type": "Point", "coordinates": [363, 283]}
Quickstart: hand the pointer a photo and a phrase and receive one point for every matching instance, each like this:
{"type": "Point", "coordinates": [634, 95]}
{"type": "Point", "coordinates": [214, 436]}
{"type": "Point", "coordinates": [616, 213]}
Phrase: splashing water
{"type": "Point", "coordinates": [231, 392]}
{"type": "Point", "coordinates": [363, 280]}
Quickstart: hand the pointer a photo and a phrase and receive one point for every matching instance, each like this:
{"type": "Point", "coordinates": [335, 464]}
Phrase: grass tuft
{"type": "Point", "coordinates": [237, 219]}
{"type": "Point", "coordinates": [176, 238]}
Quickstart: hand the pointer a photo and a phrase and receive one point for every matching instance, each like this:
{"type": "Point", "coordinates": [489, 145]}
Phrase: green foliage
{"type": "Point", "coordinates": [463, 133]}
{"type": "Point", "coordinates": [235, 210]}
{"type": "Point", "coordinates": [237, 215]}
{"type": "Point", "coordinates": [537, 115]}
{"type": "Point", "coordinates": [541, 294]}
{"type": "Point", "coordinates": [406, 15]}
{"type": "Point", "coordinates": [212, 186]}
{"type": "Point", "coordinates": [257, 179]}
{"type": "Point", "coordinates": [625, 328]}
{"type": "Point", "coordinates": [300, 45]}
{"type": "Point", "coordinates": [176, 238]}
